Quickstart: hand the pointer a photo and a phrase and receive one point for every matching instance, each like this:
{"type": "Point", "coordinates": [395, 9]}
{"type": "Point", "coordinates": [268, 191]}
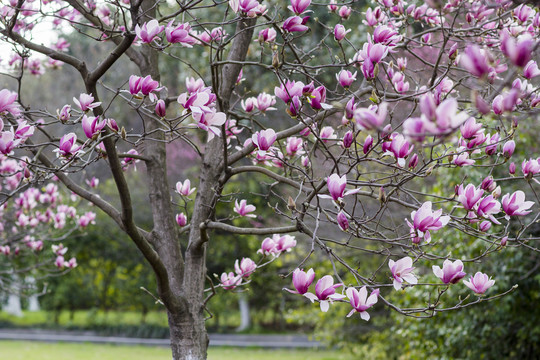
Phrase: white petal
{"type": "Point", "coordinates": [325, 305]}
{"type": "Point", "coordinates": [364, 315]}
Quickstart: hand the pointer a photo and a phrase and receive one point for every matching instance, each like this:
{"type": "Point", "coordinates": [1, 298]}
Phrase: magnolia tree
{"type": "Point", "coordinates": [33, 224]}
{"type": "Point", "coordinates": [365, 108]}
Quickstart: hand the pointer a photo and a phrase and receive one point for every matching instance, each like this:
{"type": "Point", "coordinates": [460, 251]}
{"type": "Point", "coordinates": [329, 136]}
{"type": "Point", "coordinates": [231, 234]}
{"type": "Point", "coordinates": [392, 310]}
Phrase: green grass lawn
{"type": "Point", "coordinates": [26, 350]}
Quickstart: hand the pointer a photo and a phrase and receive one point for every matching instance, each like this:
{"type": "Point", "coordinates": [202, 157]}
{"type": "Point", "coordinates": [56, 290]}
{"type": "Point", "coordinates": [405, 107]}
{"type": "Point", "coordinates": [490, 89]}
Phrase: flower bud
{"type": "Point", "coordinates": [413, 161]}
{"type": "Point", "coordinates": [512, 168]}
{"type": "Point", "coordinates": [348, 139]}
{"type": "Point", "coordinates": [342, 220]}
{"type": "Point", "coordinates": [160, 108]}
{"type": "Point", "coordinates": [497, 192]}
{"type": "Point", "coordinates": [368, 144]}
{"type": "Point", "coordinates": [181, 219]}
{"type": "Point", "coordinates": [485, 226]}
{"type": "Point", "coordinates": [488, 184]}
{"type": "Point", "coordinates": [508, 148]}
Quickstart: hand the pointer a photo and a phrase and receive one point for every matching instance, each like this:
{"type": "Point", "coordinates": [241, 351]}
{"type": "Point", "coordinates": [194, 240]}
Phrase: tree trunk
{"type": "Point", "coordinates": [182, 284]}
{"type": "Point", "coordinates": [189, 339]}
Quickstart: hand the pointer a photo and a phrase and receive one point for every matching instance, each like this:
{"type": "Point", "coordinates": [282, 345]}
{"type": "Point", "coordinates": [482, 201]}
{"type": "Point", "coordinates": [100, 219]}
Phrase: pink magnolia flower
{"type": "Point", "coordinates": [345, 78]}
{"type": "Point", "coordinates": [184, 188]}
{"type": "Point", "coordinates": [517, 50]}
{"type": "Point", "coordinates": [294, 106]}
{"type": "Point", "coordinates": [332, 7]}
{"type": "Point", "coordinates": [424, 221]}
{"type": "Point", "coordinates": [148, 31]}
{"type": "Point", "coordinates": [515, 204]}
{"type": "Point", "coordinates": [463, 159]}
{"type": "Point", "coordinates": [336, 187]}
{"type": "Point", "coordinates": [531, 70]}
{"type": "Point", "coordinates": [325, 292]}
{"type": "Point", "coordinates": [289, 90]}
{"type": "Point", "coordinates": [249, 104]}
{"type": "Point", "coordinates": [481, 105]}
{"type": "Point", "coordinates": [299, 6]}
{"type": "Point", "coordinates": [245, 267]}
{"type": "Point", "coordinates": [181, 219]}
{"type": "Point", "coordinates": [302, 281]}
{"type": "Point", "coordinates": [284, 243]}
{"type": "Point", "coordinates": [71, 264]}
{"type": "Point", "coordinates": [530, 168]}
{"type": "Point", "coordinates": [522, 13]}
{"type": "Point", "coordinates": [59, 249]}
{"type": "Point", "coordinates": [24, 131]}
{"type": "Point", "coordinates": [127, 161]}
{"type": "Point", "coordinates": [64, 114]}
{"type": "Point", "coordinates": [193, 86]}
{"type": "Point", "coordinates": [471, 128]}
{"type": "Point", "coordinates": [372, 117]}
{"type": "Point", "coordinates": [268, 246]}
{"type": "Point", "coordinates": [386, 35]}
{"type": "Point", "coordinates": [448, 117]}
{"type": "Point", "coordinates": [398, 80]}
{"type": "Point", "coordinates": [91, 126]}
{"type": "Point", "coordinates": [340, 32]}
{"type": "Point", "coordinates": [360, 301]}
{"type": "Point", "coordinates": [475, 61]}
{"type": "Point", "coordinates": [8, 142]}
{"type": "Point", "coordinates": [243, 209]}
{"type": "Point", "coordinates": [469, 196]}
{"type": "Point", "coordinates": [111, 123]}
{"type": "Point", "coordinates": [7, 103]}
{"type": "Point", "coordinates": [246, 6]}
{"type": "Point", "coordinates": [148, 86]}
{"type": "Point", "coordinates": [401, 271]}
{"type": "Point", "coordinates": [93, 183]}
{"type": "Point", "coordinates": [479, 283]}
{"type": "Point", "coordinates": [267, 35]}
{"type": "Point", "coordinates": [6, 250]}
{"type": "Point", "coordinates": [344, 12]}
{"type": "Point", "coordinates": [294, 146]}
{"type": "Point", "coordinates": [264, 139]}
{"type": "Point", "coordinates": [400, 149]}
{"type": "Point", "coordinates": [372, 53]}
{"type": "Point", "coordinates": [59, 262]}
{"type": "Point", "coordinates": [317, 98]}
{"type": "Point", "coordinates": [68, 145]}
{"type": "Point", "coordinates": [295, 24]}
{"type": "Point", "coordinates": [451, 272]}
{"type": "Point", "coordinates": [85, 102]}
{"type": "Point", "coordinates": [179, 34]}
{"type": "Point", "coordinates": [209, 121]}
{"type": "Point", "coordinates": [87, 219]}
{"type": "Point", "coordinates": [374, 17]}
{"type": "Point", "coordinates": [265, 101]}
{"type": "Point", "coordinates": [230, 281]}
{"type": "Point", "coordinates": [327, 133]}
